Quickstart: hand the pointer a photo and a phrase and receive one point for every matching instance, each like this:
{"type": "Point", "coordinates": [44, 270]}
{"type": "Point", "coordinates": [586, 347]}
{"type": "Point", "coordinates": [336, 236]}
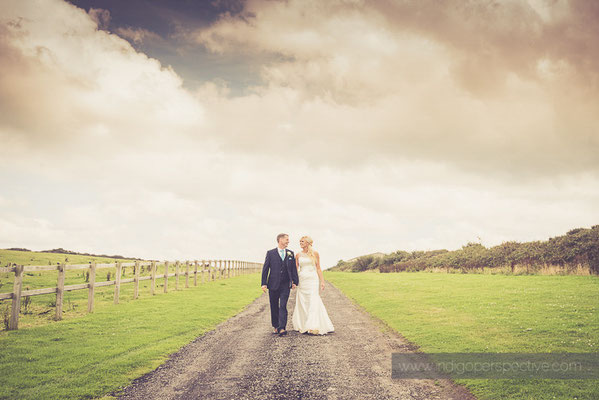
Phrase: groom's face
{"type": "Point", "coordinates": [284, 241]}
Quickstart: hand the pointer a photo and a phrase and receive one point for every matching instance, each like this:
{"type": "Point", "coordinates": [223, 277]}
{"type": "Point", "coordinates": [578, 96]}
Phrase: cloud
{"type": "Point", "coordinates": [101, 17]}
{"type": "Point", "coordinates": [493, 87]}
{"type": "Point", "coordinates": [362, 134]}
{"type": "Point", "coordinates": [138, 35]}
{"type": "Point", "coordinates": [66, 82]}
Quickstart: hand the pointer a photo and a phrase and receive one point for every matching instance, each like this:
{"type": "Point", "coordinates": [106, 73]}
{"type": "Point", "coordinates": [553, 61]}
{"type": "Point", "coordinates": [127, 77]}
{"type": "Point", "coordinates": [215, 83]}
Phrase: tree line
{"type": "Point", "coordinates": [578, 246]}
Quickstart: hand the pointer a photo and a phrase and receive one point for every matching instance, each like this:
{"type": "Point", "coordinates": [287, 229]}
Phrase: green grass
{"type": "Point", "coordinates": [97, 353]}
{"type": "Point", "coordinates": [488, 313]}
{"type": "Point", "coordinates": [40, 309]}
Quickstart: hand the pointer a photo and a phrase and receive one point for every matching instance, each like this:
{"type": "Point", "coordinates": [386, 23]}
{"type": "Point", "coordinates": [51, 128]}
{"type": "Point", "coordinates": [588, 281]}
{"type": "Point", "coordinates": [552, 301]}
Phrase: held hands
{"type": "Point", "coordinates": [293, 286]}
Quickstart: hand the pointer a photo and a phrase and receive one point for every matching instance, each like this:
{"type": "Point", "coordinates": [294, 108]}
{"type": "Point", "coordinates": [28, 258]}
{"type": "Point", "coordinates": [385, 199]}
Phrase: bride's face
{"type": "Point", "coordinates": [303, 244]}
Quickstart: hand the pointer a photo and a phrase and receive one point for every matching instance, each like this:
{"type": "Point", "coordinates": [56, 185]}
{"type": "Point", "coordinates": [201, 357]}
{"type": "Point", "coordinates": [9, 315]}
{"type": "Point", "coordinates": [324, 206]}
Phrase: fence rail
{"type": "Point", "coordinates": [207, 269]}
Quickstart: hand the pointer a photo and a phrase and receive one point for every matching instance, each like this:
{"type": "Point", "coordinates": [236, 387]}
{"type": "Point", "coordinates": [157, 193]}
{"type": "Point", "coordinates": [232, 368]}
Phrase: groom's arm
{"type": "Point", "coordinates": [265, 269]}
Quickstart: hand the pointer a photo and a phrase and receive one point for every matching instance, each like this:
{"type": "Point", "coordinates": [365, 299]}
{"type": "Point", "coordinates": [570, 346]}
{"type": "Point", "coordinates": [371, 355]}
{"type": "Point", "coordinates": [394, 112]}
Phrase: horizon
{"type": "Point", "coordinates": [177, 130]}
{"type": "Point", "coordinates": [324, 267]}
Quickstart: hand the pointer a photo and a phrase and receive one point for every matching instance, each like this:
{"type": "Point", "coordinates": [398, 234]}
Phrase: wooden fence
{"type": "Point", "coordinates": [214, 269]}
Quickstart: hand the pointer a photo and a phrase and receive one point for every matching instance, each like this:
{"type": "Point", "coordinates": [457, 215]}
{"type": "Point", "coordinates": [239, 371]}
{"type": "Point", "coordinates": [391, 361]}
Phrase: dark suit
{"type": "Point", "coordinates": [278, 275]}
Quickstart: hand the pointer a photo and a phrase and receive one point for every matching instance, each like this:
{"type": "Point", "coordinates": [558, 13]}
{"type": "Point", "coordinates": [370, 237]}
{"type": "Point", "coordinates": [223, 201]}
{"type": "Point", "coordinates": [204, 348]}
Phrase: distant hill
{"type": "Point", "coordinates": [17, 255]}
{"type": "Point", "coordinates": [60, 250]}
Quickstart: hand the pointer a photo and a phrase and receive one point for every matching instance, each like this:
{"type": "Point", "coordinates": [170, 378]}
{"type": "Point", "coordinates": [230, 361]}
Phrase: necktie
{"type": "Point", "coordinates": [282, 253]}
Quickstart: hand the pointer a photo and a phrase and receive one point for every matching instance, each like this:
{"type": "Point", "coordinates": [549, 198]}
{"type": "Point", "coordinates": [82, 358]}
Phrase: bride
{"type": "Point", "coordinates": [309, 314]}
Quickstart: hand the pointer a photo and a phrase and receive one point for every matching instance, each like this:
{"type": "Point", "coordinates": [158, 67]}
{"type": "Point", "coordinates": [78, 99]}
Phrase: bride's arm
{"type": "Point", "coordinates": [320, 275]}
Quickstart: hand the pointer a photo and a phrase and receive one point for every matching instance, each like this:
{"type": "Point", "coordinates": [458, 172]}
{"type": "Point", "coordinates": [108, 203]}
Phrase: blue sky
{"type": "Point", "coordinates": [169, 20]}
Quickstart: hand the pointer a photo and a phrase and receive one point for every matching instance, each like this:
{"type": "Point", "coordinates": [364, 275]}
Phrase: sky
{"type": "Point", "coordinates": [201, 130]}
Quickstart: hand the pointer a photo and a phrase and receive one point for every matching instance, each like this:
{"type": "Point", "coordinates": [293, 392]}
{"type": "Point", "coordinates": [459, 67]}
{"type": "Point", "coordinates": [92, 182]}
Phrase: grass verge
{"type": "Point", "coordinates": [97, 353]}
{"type": "Point", "coordinates": [488, 313]}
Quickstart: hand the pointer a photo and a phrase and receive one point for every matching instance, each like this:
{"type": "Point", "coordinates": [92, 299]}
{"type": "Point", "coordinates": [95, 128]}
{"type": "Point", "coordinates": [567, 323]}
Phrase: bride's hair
{"type": "Point", "coordinates": [310, 252]}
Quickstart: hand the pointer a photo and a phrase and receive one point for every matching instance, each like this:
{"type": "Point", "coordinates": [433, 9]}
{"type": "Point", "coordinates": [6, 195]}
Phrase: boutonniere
{"type": "Point", "coordinates": [289, 253]}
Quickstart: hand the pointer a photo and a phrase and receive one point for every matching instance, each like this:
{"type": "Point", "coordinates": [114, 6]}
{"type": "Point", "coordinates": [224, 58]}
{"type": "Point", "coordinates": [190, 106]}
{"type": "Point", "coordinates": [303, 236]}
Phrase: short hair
{"type": "Point", "coordinates": [281, 235]}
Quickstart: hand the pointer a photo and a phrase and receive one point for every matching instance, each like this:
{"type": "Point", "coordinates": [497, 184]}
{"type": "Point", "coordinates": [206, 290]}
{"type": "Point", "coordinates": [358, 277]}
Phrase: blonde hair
{"type": "Point", "coordinates": [310, 251]}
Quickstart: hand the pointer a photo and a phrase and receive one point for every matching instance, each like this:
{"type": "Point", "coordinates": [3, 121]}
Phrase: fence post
{"type": "Point", "coordinates": [117, 282]}
{"type": "Point", "coordinates": [92, 287]}
{"type": "Point", "coordinates": [136, 281]}
{"type": "Point", "coordinates": [153, 283]}
{"type": "Point", "coordinates": [221, 269]}
{"type": "Point", "coordinates": [176, 275]}
{"type": "Point", "coordinates": [165, 276]}
{"type": "Point", "coordinates": [195, 273]}
{"type": "Point", "coordinates": [186, 274]}
{"type": "Point", "coordinates": [13, 323]}
{"type": "Point", "coordinates": [203, 268]}
{"type": "Point", "coordinates": [228, 268]}
{"type": "Point", "coordinates": [59, 292]}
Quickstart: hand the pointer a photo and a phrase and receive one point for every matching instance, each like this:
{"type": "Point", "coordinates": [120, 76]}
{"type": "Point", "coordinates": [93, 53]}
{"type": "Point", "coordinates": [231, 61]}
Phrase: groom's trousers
{"type": "Point", "coordinates": [278, 305]}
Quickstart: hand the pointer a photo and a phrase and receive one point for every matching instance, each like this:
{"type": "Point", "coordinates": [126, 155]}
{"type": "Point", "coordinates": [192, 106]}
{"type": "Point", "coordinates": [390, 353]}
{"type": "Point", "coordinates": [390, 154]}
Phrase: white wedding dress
{"type": "Point", "coordinates": [309, 314]}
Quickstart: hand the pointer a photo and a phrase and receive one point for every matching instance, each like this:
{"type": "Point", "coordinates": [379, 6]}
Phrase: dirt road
{"type": "Point", "coordinates": [242, 359]}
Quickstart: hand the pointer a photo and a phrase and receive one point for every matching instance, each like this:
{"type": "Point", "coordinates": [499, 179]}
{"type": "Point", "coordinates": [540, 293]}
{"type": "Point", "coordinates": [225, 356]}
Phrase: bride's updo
{"type": "Point", "coordinates": [310, 252]}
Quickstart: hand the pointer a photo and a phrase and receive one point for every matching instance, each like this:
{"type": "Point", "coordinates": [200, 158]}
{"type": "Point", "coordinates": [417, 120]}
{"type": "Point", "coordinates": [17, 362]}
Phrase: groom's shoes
{"type": "Point", "coordinates": [282, 332]}
{"type": "Point", "coordinates": [276, 331]}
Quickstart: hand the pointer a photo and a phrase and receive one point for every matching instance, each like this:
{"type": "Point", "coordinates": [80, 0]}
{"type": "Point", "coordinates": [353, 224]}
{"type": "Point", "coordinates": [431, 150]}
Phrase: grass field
{"type": "Point", "coordinates": [39, 310]}
{"type": "Point", "coordinates": [97, 353]}
{"type": "Point", "coordinates": [488, 313]}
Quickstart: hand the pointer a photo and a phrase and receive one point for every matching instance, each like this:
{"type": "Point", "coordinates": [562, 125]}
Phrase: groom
{"type": "Point", "coordinates": [283, 277]}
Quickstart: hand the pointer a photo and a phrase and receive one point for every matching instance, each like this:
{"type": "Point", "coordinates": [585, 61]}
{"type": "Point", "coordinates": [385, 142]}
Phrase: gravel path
{"type": "Point", "coordinates": [242, 359]}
